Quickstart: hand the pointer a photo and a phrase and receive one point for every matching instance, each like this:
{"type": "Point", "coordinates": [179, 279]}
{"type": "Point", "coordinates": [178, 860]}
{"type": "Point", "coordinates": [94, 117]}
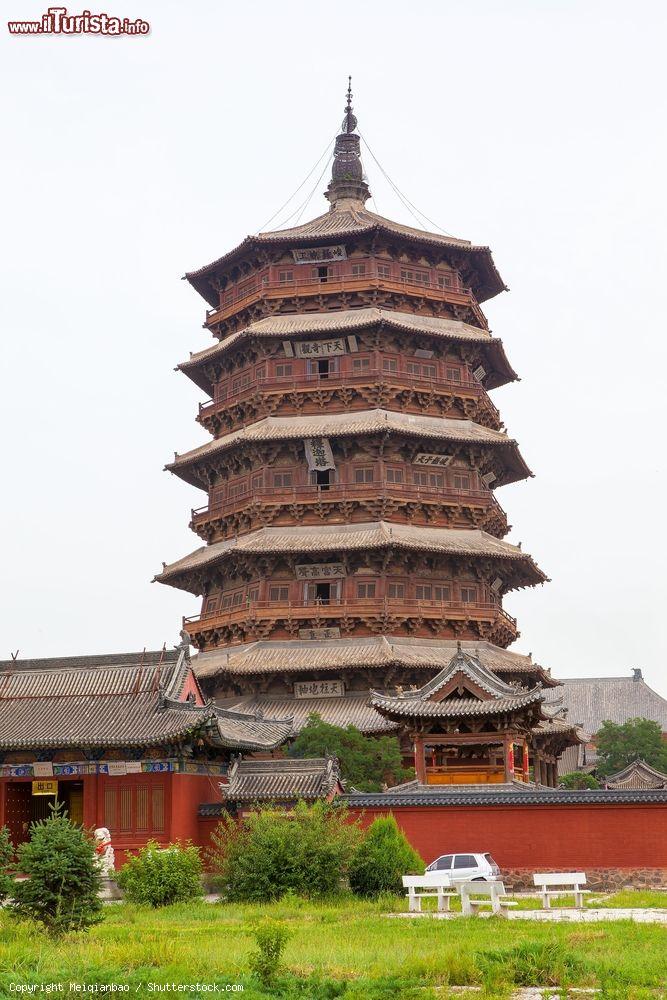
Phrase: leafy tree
{"type": "Point", "coordinates": [578, 779]}
{"type": "Point", "coordinates": [636, 739]}
{"type": "Point", "coordinates": [271, 852]}
{"type": "Point", "coordinates": [162, 876]}
{"type": "Point", "coordinates": [366, 762]}
{"type": "Point", "coordinates": [383, 856]}
{"type": "Point", "coordinates": [6, 855]}
{"type": "Point", "coordinates": [63, 884]}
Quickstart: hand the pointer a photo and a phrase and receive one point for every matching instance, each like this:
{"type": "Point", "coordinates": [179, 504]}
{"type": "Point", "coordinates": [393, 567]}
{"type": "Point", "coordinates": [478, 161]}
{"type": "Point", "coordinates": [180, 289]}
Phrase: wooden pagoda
{"type": "Point", "coordinates": [351, 531]}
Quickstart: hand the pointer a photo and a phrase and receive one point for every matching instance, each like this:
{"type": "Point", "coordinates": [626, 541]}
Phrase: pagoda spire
{"type": "Point", "coordinates": [347, 184]}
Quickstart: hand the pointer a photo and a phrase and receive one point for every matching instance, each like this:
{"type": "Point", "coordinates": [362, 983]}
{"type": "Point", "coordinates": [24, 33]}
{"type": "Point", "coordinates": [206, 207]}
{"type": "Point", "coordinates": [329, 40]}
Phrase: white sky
{"type": "Point", "coordinates": [534, 127]}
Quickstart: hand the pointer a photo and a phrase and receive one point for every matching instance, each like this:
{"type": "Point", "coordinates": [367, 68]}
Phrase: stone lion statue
{"type": "Point", "coordinates": [105, 852]}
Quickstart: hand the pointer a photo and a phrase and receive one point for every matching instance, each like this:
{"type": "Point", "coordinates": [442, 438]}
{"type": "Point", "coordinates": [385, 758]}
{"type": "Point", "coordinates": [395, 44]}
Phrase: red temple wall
{"type": "Point", "coordinates": [614, 844]}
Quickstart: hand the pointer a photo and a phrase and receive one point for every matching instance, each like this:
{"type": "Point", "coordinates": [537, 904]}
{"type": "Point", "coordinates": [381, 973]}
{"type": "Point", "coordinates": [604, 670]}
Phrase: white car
{"type": "Point", "coordinates": [477, 867]}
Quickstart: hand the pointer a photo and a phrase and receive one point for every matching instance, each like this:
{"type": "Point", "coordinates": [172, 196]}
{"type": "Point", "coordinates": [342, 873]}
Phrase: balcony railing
{"type": "Point", "coordinates": [364, 492]}
{"type": "Point", "coordinates": [262, 287]}
{"type": "Point", "coordinates": [346, 608]}
{"type": "Point", "coordinates": [371, 376]}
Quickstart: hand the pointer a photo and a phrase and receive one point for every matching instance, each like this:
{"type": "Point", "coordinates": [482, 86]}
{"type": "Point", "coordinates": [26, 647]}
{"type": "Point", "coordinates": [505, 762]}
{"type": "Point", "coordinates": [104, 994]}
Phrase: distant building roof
{"type": "Point", "coordinates": [287, 779]}
{"type": "Point", "coordinates": [121, 700]}
{"type": "Point", "coordinates": [592, 700]}
{"type": "Point", "coordinates": [638, 774]}
{"type": "Point", "coordinates": [352, 709]}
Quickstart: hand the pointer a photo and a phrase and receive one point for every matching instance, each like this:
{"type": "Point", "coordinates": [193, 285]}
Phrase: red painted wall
{"type": "Point", "coordinates": [560, 837]}
{"type": "Point", "coordinates": [188, 791]}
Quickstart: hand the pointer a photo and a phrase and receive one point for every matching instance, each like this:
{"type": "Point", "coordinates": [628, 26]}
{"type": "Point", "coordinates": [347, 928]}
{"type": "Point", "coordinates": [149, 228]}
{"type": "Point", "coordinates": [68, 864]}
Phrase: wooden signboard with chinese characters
{"type": "Point", "coordinates": [319, 689]}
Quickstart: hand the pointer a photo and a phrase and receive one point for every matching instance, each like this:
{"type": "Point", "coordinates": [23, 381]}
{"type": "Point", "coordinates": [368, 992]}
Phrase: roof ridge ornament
{"type": "Point", "coordinates": [347, 187]}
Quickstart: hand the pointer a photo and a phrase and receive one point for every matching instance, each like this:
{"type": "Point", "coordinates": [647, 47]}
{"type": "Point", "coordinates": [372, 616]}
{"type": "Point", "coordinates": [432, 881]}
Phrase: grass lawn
{"type": "Point", "coordinates": [341, 948]}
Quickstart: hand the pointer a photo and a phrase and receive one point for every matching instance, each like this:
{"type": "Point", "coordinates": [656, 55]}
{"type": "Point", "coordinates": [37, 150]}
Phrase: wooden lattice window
{"type": "Point", "coordinates": [396, 590]}
{"type": "Point", "coordinates": [361, 364]}
{"type": "Point", "coordinates": [279, 593]}
{"type": "Point", "coordinates": [142, 807]}
{"type": "Point", "coordinates": [461, 481]}
{"type": "Point", "coordinates": [468, 595]}
{"type": "Point", "coordinates": [282, 479]}
{"type": "Point", "coordinates": [358, 270]}
{"type": "Point", "coordinates": [366, 589]}
{"type": "Point", "coordinates": [390, 364]}
{"type": "Point", "coordinates": [383, 270]}
{"type": "Point", "coordinates": [395, 475]}
{"type": "Point", "coordinates": [454, 374]}
{"type": "Point", "coordinates": [364, 475]}
{"type": "Point", "coordinates": [283, 371]}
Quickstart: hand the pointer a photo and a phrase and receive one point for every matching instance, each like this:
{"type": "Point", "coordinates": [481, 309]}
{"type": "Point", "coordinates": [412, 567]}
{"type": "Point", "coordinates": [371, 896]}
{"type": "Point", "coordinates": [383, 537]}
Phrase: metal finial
{"type": "Point", "coordinates": [349, 122]}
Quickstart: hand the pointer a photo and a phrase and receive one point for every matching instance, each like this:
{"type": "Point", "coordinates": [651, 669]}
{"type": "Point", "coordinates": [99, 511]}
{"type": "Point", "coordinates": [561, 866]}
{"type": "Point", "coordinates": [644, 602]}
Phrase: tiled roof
{"type": "Point", "coordinates": [481, 795]}
{"type": "Point", "coordinates": [467, 664]}
{"type": "Point", "coordinates": [295, 655]}
{"type": "Point", "coordinates": [352, 425]}
{"type": "Point", "coordinates": [353, 219]}
{"type": "Point", "coordinates": [591, 700]}
{"type": "Point", "coordinates": [638, 774]}
{"type": "Point", "coordinates": [281, 780]}
{"type": "Point", "coordinates": [303, 324]}
{"type": "Point", "coordinates": [453, 707]}
{"type": "Point", "coordinates": [350, 537]}
{"type": "Point", "coordinates": [138, 702]}
{"type": "Point", "coordinates": [350, 710]}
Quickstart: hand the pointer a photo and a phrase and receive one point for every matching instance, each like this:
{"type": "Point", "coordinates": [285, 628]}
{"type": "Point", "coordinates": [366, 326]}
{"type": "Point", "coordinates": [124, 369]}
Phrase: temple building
{"type": "Point", "coordinates": [126, 741]}
{"type": "Point", "coordinates": [352, 533]}
{"type": "Point", "coordinates": [469, 727]}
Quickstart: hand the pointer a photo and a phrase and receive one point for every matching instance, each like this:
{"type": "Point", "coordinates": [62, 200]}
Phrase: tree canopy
{"type": "Point", "coordinates": [366, 762]}
{"type": "Point", "coordinates": [636, 739]}
{"type": "Point", "coordinates": [578, 779]}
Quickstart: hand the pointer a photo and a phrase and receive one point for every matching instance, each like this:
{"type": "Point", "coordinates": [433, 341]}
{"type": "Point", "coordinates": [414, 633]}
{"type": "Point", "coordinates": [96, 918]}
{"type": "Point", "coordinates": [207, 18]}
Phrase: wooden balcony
{"type": "Point", "coordinates": [365, 616]}
{"type": "Point", "coordinates": [373, 380]}
{"type": "Point", "coordinates": [261, 506]}
{"type": "Point", "coordinates": [263, 288]}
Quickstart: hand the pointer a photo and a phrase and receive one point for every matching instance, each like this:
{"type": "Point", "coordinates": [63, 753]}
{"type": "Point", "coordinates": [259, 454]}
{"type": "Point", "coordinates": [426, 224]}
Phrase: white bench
{"type": "Point", "coordinates": [439, 885]}
{"type": "Point", "coordinates": [561, 884]}
{"type": "Point", "coordinates": [494, 895]}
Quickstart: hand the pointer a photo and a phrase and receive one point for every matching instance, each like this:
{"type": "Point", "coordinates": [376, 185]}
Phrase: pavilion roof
{"type": "Point", "coordinates": [296, 655]}
{"type": "Point", "coordinates": [190, 466]}
{"type": "Point", "coordinates": [352, 219]}
{"type": "Point", "coordinates": [499, 696]}
{"type": "Point", "coordinates": [453, 707]}
{"type": "Point", "coordinates": [140, 702]}
{"type": "Point", "coordinates": [290, 778]}
{"type": "Point", "coordinates": [347, 322]}
{"type": "Point", "coordinates": [312, 539]}
{"type": "Point", "coordinates": [638, 774]}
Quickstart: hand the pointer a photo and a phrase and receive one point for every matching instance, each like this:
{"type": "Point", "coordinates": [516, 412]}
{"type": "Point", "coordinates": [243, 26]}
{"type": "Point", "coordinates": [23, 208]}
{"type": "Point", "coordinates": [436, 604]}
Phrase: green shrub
{"type": "Point", "coordinates": [578, 779]}
{"type": "Point", "coordinates": [382, 857]}
{"type": "Point", "coordinates": [6, 856]}
{"type": "Point", "coordinates": [271, 937]}
{"type": "Point", "coordinates": [161, 876]}
{"type": "Point", "coordinates": [63, 884]}
{"type": "Point", "coordinates": [273, 852]}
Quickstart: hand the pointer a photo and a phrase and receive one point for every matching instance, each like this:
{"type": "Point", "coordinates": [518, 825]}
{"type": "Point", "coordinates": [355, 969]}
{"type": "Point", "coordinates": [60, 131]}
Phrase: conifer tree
{"type": "Point", "coordinates": [62, 888]}
{"type": "Point", "coordinates": [6, 855]}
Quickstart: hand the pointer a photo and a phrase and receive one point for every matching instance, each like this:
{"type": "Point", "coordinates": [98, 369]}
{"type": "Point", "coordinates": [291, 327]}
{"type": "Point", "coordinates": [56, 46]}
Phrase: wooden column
{"type": "Point", "coordinates": [420, 763]}
{"type": "Point", "coordinates": [508, 756]}
{"type": "Point", "coordinates": [526, 762]}
{"type": "Point", "coordinates": [537, 768]}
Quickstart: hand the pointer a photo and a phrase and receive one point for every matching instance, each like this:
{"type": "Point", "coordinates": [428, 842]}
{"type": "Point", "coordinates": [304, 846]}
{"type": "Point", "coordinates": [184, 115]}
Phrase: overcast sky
{"type": "Point", "coordinates": [534, 127]}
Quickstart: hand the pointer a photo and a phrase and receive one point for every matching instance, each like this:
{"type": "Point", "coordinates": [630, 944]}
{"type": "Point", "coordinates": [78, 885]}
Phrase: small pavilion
{"type": "Point", "coordinates": [470, 727]}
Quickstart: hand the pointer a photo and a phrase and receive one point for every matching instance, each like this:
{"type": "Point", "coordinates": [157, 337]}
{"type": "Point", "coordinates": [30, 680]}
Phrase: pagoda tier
{"type": "Point", "coordinates": [468, 726]}
{"type": "Point", "coordinates": [354, 460]}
